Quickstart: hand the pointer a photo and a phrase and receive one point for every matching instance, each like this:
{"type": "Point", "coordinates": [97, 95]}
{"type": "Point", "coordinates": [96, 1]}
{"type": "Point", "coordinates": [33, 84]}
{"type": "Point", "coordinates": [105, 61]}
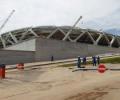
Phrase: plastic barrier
{"type": "Point", "coordinates": [20, 66]}
{"type": "Point", "coordinates": [2, 71]}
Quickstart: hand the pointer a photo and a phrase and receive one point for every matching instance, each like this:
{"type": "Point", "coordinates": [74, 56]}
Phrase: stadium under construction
{"type": "Point", "coordinates": [63, 42]}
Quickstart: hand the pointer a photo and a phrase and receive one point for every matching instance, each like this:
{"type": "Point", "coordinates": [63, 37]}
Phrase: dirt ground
{"type": "Point", "coordinates": [60, 83]}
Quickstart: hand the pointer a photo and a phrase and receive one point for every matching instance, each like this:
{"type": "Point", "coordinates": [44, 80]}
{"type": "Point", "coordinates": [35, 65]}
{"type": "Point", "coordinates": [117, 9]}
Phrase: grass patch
{"type": "Point", "coordinates": [114, 60]}
{"type": "Point", "coordinates": [68, 65]}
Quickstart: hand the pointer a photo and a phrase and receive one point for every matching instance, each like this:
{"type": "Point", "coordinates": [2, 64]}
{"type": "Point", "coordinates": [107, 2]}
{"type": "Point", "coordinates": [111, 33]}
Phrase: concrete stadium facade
{"type": "Point", "coordinates": [45, 48]}
{"type": "Point", "coordinates": [44, 42]}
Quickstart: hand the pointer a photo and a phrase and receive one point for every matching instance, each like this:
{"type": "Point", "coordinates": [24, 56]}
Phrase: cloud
{"type": "Point", "coordinates": [109, 21]}
{"type": "Point", "coordinates": [54, 12]}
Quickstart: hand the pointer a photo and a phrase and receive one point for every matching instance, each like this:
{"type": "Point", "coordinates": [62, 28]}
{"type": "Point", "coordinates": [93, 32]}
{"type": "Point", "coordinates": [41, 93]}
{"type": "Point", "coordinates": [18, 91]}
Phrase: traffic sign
{"type": "Point", "coordinates": [101, 68]}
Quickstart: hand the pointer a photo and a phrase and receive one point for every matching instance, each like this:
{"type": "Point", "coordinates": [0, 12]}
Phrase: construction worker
{"type": "Point", "coordinates": [84, 60]}
{"type": "Point", "coordinates": [94, 60]}
{"type": "Point", "coordinates": [52, 58]}
{"type": "Point", "coordinates": [79, 62]}
{"type": "Point", "coordinates": [98, 60]}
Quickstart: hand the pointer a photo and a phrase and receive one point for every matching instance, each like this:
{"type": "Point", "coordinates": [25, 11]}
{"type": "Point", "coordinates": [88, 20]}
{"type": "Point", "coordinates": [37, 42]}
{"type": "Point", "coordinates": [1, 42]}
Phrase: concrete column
{"type": "Point", "coordinates": [24, 34]}
{"type": "Point", "coordinates": [52, 33]}
{"type": "Point", "coordinates": [13, 37]}
{"type": "Point", "coordinates": [33, 32]}
{"type": "Point", "coordinates": [69, 32]}
{"type": "Point", "coordinates": [79, 36]}
{"type": "Point", "coordinates": [112, 41]}
{"type": "Point", "coordinates": [107, 39]}
{"type": "Point", "coordinates": [91, 38]}
{"type": "Point", "coordinates": [98, 39]}
{"type": "Point", "coordinates": [3, 41]}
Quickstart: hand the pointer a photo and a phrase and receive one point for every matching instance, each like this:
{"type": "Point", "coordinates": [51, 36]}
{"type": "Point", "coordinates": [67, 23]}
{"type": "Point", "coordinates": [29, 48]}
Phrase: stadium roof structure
{"type": "Point", "coordinates": [79, 35]}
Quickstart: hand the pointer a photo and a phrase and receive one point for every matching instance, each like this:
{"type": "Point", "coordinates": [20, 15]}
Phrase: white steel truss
{"type": "Point", "coordinates": [12, 38]}
{"type": "Point", "coordinates": [58, 29]}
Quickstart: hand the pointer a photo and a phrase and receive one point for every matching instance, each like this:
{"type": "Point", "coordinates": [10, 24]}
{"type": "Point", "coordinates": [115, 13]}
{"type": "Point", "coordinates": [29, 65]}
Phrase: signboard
{"type": "Point", "coordinates": [101, 68]}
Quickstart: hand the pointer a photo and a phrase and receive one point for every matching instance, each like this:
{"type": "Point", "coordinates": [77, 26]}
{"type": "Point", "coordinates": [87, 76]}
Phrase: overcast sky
{"type": "Point", "coordinates": [97, 14]}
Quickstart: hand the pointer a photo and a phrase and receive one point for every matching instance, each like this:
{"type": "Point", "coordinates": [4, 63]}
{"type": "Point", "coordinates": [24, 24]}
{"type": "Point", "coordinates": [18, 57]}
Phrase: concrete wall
{"type": "Point", "coordinates": [45, 48]}
{"type": "Point", "coordinates": [101, 50]}
{"type": "Point", "coordinates": [14, 57]}
{"type": "Point", "coordinates": [28, 45]}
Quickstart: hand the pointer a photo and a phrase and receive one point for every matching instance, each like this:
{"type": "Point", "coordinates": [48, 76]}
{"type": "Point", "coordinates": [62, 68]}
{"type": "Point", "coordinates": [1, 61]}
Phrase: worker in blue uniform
{"type": "Point", "coordinates": [94, 60]}
{"type": "Point", "coordinates": [84, 60]}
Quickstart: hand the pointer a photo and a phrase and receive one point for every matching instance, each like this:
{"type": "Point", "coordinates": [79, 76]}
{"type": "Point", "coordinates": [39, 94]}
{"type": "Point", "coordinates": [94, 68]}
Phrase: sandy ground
{"type": "Point", "coordinates": [59, 83]}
